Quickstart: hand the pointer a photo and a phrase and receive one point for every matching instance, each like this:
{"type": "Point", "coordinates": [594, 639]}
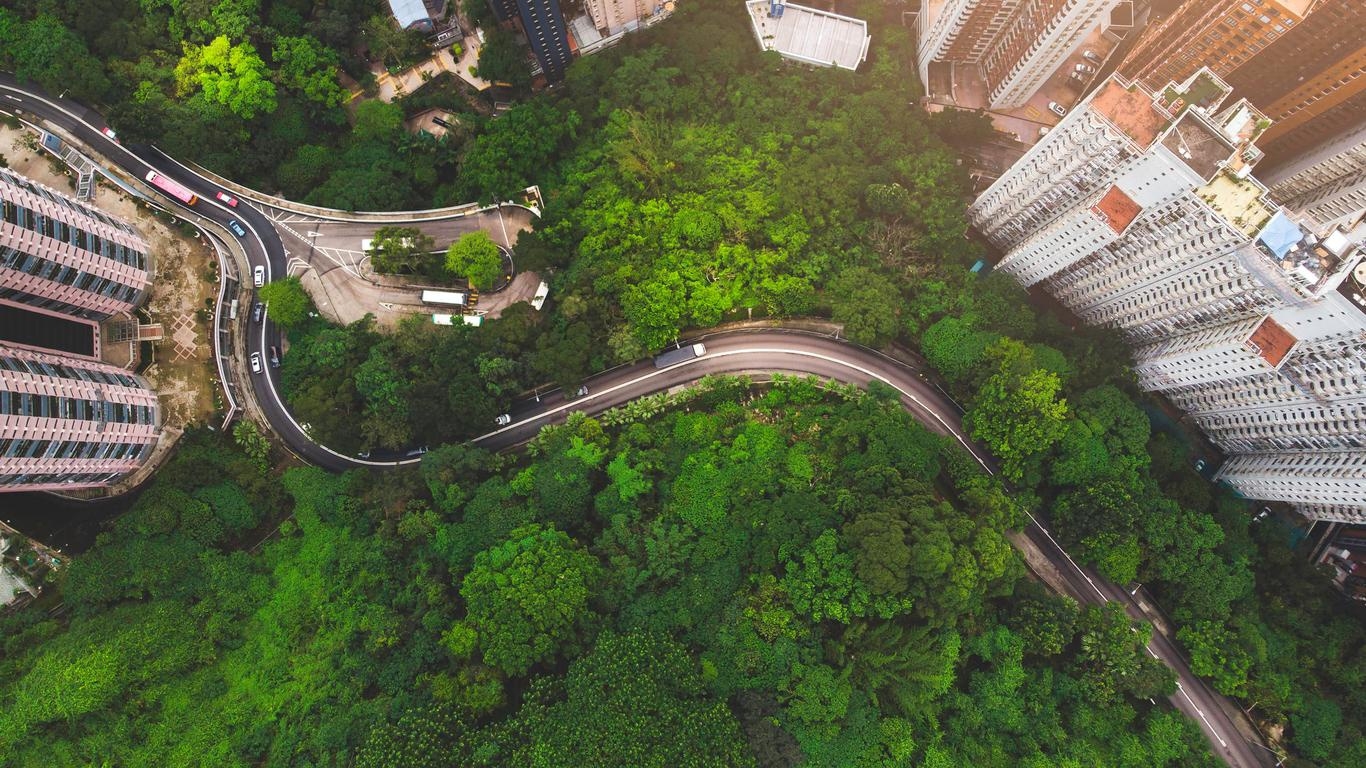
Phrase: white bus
{"type": "Point", "coordinates": [455, 298]}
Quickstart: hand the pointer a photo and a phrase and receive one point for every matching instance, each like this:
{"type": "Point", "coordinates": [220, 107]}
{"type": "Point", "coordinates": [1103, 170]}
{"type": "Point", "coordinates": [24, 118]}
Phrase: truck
{"type": "Point", "coordinates": [680, 355]}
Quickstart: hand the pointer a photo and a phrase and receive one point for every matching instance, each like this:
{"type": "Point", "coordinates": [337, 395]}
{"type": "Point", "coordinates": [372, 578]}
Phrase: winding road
{"type": "Point", "coordinates": [760, 351]}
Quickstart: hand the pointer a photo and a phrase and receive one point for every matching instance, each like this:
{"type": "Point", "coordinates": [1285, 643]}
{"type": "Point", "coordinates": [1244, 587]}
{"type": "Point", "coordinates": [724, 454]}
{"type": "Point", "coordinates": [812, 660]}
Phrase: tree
{"type": "Point", "coordinates": [234, 76]}
{"type": "Point", "coordinates": [637, 699]}
{"type": "Point", "coordinates": [305, 66]}
{"type": "Point", "coordinates": [822, 584]}
{"type": "Point", "coordinates": [1111, 659]}
{"type": "Point", "coordinates": [402, 250]}
{"type": "Point", "coordinates": [288, 302]}
{"type": "Point", "coordinates": [390, 44]}
{"type": "Point", "coordinates": [503, 59]}
{"type": "Point", "coordinates": [817, 697]}
{"type": "Point", "coordinates": [430, 737]}
{"type": "Point", "coordinates": [46, 51]}
{"type": "Point", "coordinates": [1216, 654]}
{"type": "Point", "coordinates": [476, 258]}
{"type": "Point", "coordinates": [1018, 415]}
{"type": "Point", "coordinates": [527, 598]}
{"type": "Point", "coordinates": [1315, 729]}
{"type": "Point", "coordinates": [252, 442]}
{"type": "Point", "coordinates": [866, 304]}
{"type": "Point", "coordinates": [515, 150]}
{"type": "Point", "coordinates": [954, 347]}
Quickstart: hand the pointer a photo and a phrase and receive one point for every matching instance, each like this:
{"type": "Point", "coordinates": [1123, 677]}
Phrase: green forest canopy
{"type": "Point", "coordinates": [689, 180]}
{"type": "Point", "coordinates": [748, 588]}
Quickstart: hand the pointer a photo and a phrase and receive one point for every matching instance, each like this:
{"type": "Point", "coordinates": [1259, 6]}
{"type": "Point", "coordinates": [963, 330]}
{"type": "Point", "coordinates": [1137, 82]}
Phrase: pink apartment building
{"type": "Point", "coordinates": [67, 423]}
{"type": "Point", "coordinates": [63, 255]}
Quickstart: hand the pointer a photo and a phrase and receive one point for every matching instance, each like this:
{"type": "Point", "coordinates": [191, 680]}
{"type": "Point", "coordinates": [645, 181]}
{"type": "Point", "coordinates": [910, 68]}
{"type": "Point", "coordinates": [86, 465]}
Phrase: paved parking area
{"type": "Point", "coordinates": [969, 91]}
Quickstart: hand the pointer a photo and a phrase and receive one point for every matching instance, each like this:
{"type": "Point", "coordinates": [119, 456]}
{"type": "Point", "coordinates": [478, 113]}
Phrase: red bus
{"type": "Point", "coordinates": [171, 188]}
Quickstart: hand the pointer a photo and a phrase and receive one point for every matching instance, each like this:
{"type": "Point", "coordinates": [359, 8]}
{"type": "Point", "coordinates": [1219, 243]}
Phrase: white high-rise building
{"type": "Point", "coordinates": [1328, 182]}
{"type": "Point", "coordinates": [1016, 44]}
{"type": "Point", "coordinates": [1139, 212]}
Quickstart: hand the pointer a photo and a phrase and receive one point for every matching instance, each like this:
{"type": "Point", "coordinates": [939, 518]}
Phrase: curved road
{"type": "Point", "coordinates": [764, 351]}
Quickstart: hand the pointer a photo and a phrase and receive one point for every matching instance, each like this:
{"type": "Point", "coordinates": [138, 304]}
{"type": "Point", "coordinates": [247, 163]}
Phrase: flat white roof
{"type": "Point", "coordinates": [810, 35]}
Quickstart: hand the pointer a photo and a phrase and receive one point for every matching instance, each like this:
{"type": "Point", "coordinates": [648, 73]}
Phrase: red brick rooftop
{"type": "Point", "coordinates": [1273, 341]}
{"type": "Point", "coordinates": [1117, 209]}
{"type": "Point", "coordinates": [1131, 111]}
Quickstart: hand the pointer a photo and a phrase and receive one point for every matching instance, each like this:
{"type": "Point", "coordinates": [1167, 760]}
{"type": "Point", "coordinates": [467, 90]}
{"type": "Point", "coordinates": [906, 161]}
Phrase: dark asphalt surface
{"type": "Point", "coordinates": [765, 351]}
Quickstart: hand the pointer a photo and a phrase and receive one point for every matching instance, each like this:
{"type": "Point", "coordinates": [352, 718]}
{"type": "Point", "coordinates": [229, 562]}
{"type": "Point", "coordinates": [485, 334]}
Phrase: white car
{"type": "Point", "coordinates": [503, 420]}
{"type": "Point", "coordinates": [1085, 69]}
{"type": "Point", "coordinates": [1057, 109]}
{"type": "Point", "coordinates": [258, 276]}
{"type": "Point", "coordinates": [1090, 56]}
{"type": "Point", "coordinates": [256, 362]}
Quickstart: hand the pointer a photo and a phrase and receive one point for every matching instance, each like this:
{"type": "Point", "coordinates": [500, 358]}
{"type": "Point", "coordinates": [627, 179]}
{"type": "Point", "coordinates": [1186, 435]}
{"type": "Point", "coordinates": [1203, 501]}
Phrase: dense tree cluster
{"type": "Point", "coordinates": [752, 577]}
{"type": "Point", "coordinates": [254, 90]}
{"type": "Point", "coordinates": [1058, 407]}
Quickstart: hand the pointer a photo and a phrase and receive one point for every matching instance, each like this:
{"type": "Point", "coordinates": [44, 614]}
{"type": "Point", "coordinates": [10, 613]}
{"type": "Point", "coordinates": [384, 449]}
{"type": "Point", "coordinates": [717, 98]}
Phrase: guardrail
{"type": "Point", "coordinates": [336, 214]}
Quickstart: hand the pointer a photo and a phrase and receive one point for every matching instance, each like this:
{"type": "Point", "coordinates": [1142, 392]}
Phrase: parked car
{"type": "Point", "coordinates": [1200, 465]}
{"type": "Point", "coordinates": [226, 199]}
{"type": "Point", "coordinates": [256, 362]}
{"type": "Point", "coordinates": [258, 276]}
{"type": "Point", "coordinates": [274, 356]}
{"type": "Point", "coordinates": [1085, 69]}
{"type": "Point", "coordinates": [503, 420]}
{"type": "Point", "coordinates": [1057, 109]}
{"type": "Point", "coordinates": [107, 131]}
{"type": "Point", "coordinates": [583, 391]}
{"type": "Point", "coordinates": [236, 228]}
{"type": "Point", "coordinates": [1090, 56]}
{"type": "Point", "coordinates": [257, 312]}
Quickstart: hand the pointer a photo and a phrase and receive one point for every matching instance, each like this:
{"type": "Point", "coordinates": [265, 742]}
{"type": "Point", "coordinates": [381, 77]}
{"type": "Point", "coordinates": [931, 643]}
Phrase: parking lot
{"type": "Point", "coordinates": [969, 90]}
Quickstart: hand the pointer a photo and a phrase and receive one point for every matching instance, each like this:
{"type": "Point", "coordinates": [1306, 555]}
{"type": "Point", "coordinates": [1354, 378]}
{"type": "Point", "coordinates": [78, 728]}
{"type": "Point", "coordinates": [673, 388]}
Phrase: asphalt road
{"type": "Point", "coordinates": [764, 351]}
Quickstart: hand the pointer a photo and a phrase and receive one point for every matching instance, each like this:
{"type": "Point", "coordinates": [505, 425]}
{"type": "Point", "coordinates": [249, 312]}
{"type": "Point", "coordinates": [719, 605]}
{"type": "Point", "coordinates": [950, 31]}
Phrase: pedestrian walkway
{"type": "Point", "coordinates": [396, 86]}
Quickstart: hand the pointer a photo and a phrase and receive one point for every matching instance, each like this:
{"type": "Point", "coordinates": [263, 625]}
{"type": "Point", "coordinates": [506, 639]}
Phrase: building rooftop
{"type": "Point", "coordinates": [1130, 110]}
{"type": "Point", "coordinates": [1203, 89]}
{"type": "Point", "coordinates": [1315, 259]}
{"type": "Point", "coordinates": [1117, 209]}
{"type": "Point", "coordinates": [1272, 342]}
{"type": "Point", "coordinates": [1240, 202]}
{"type": "Point", "coordinates": [1204, 148]}
{"type": "Point", "coordinates": [410, 12]}
{"type": "Point", "coordinates": [1354, 287]}
{"type": "Point", "coordinates": [809, 35]}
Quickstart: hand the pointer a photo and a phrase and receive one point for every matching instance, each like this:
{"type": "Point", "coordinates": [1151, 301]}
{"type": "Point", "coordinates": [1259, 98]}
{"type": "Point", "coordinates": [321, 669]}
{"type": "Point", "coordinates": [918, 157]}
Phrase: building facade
{"type": "Point", "coordinates": [1328, 182]}
{"type": "Point", "coordinates": [60, 254]}
{"type": "Point", "coordinates": [613, 16]}
{"type": "Point", "coordinates": [1218, 34]}
{"type": "Point", "coordinates": [1301, 62]}
{"type": "Point", "coordinates": [1017, 44]}
{"type": "Point", "coordinates": [543, 24]}
{"type": "Point", "coordinates": [1310, 80]}
{"type": "Point", "coordinates": [67, 423]}
{"type": "Point", "coordinates": [1139, 212]}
